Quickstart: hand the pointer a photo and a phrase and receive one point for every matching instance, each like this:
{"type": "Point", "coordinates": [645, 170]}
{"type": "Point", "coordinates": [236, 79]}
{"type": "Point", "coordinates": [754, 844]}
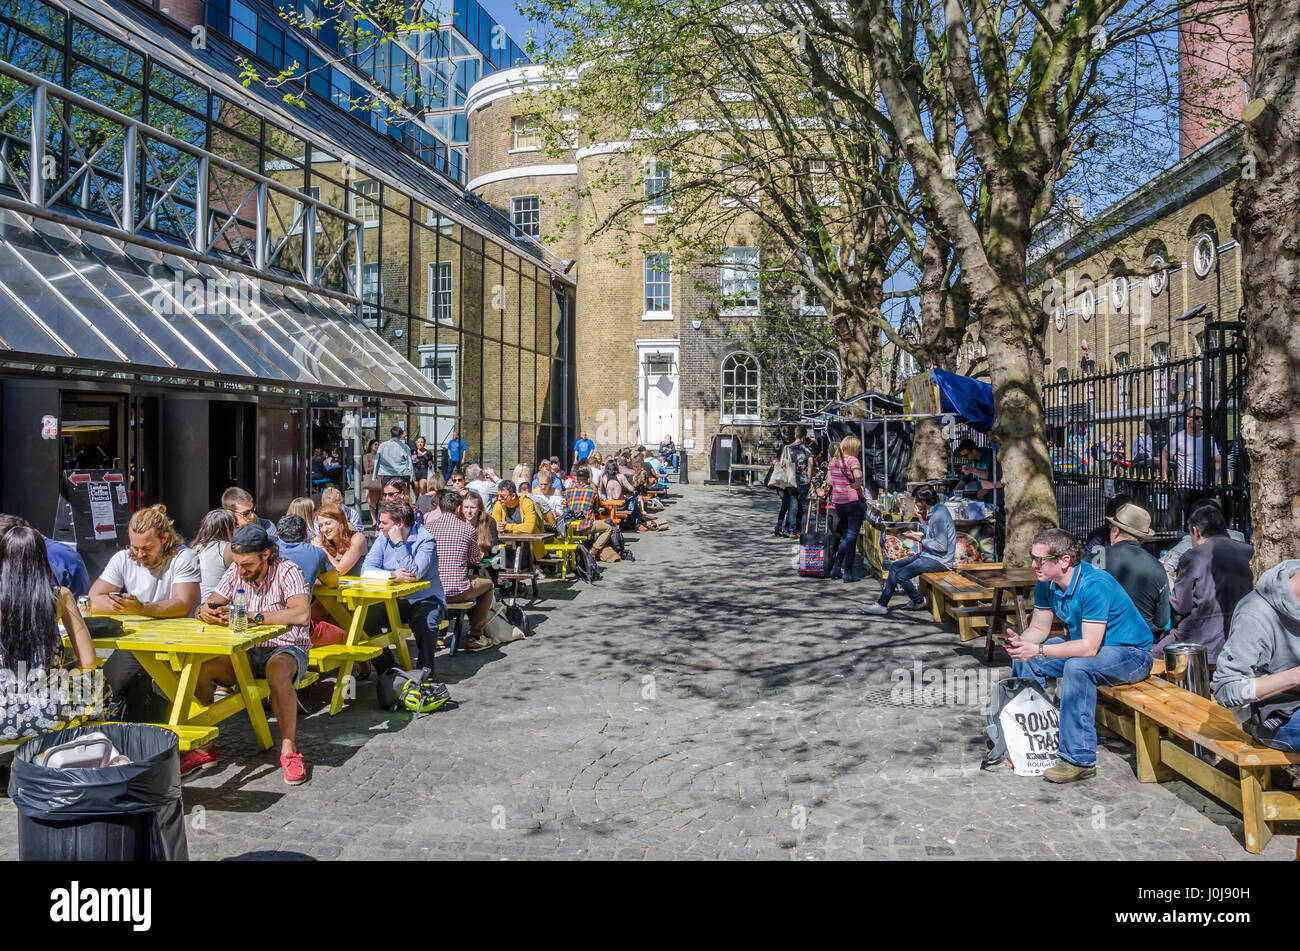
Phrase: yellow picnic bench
{"type": "Point", "coordinates": [172, 650]}
{"type": "Point", "coordinates": [348, 605]}
{"type": "Point", "coordinates": [565, 548]}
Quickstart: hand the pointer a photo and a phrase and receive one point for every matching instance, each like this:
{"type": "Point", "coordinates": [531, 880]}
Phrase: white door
{"type": "Point", "coordinates": [661, 386]}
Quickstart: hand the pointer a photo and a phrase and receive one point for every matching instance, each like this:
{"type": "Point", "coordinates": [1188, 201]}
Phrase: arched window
{"type": "Point", "coordinates": [1086, 303]}
{"type": "Point", "coordinates": [1121, 381]}
{"type": "Point", "coordinates": [1160, 381]}
{"type": "Point", "coordinates": [820, 383]}
{"type": "Point", "coordinates": [741, 388]}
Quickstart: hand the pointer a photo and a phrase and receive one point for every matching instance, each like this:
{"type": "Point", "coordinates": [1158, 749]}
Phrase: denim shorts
{"type": "Point", "coordinates": [259, 657]}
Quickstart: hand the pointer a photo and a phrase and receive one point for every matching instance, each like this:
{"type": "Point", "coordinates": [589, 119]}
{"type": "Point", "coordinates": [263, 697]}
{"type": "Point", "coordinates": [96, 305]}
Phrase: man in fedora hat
{"type": "Point", "coordinates": [1138, 571]}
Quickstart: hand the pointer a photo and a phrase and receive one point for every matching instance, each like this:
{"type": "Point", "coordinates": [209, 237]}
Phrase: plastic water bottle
{"type": "Point", "coordinates": [239, 612]}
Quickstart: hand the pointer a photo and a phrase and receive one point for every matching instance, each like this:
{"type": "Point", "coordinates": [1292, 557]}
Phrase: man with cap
{"type": "Point", "coordinates": [1137, 570]}
{"type": "Point", "coordinates": [277, 594]}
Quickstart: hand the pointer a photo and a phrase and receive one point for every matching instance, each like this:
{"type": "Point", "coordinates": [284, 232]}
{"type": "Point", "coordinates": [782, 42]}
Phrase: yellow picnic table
{"type": "Point", "coordinates": [348, 605]}
{"type": "Point", "coordinates": [171, 650]}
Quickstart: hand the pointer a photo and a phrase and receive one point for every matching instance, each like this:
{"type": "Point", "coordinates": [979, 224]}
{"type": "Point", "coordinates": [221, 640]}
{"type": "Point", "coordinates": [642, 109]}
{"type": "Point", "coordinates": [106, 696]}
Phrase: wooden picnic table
{"type": "Point", "coordinates": [171, 650]}
{"type": "Point", "coordinates": [1020, 582]}
{"type": "Point", "coordinates": [752, 468]}
{"type": "Point", "coordinates": [614, 505]}
{"type": "Point", "coordinates": [512, 569]}
{"type": "Point", "coordinates": [348, 605]}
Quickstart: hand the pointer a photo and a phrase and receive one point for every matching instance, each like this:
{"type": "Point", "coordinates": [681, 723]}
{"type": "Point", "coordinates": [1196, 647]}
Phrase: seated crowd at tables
{"type": "Point", "coordinates": [1121, 607]}
{"type": "Point", "coordinates": [448, 537]}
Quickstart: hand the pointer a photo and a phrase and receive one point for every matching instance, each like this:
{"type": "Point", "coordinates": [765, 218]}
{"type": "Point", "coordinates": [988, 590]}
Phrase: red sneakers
{"type": "Point", "coordinates": [197, 759]}
{"type": "Point", "coordinates": [295, 774]}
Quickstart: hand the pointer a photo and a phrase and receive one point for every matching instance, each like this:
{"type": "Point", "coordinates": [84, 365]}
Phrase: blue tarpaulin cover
{"type": "Point", "coordinates": [969, 398]}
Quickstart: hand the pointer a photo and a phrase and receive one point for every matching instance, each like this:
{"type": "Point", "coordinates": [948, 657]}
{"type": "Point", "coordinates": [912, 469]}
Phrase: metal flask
{"type": "Point", "coordinates": [1187, 666]}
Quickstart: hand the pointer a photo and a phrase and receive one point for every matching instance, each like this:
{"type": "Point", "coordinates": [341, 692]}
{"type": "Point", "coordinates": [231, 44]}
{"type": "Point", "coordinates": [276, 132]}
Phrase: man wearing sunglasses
{"type": "Point", "coordinates": [1107, 642]}
{"type": "Point", "coordinates": [239, 503]}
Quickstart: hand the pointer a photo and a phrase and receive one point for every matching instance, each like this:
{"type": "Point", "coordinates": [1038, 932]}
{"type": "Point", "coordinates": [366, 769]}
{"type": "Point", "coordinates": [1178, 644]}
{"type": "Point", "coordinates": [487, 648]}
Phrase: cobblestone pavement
{"type": "Point", "coordinates": [701, 702]}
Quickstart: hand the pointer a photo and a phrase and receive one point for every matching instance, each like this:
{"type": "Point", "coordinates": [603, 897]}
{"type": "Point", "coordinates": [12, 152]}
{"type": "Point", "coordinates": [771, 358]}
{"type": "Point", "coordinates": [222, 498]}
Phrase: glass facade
{"type": "Point", "coordinates": [481, 321]}
{"type": "Point", "coordinates": [428, 72]}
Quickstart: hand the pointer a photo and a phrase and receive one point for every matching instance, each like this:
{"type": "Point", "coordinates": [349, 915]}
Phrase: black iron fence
{"type": "Point", "coordinates": [1166, 433]}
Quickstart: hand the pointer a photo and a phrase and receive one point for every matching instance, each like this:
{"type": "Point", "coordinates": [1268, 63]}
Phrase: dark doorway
{"type": "Point", "coordinates": [279, 458]}
{"type": "Point", "coordinates": [231, 448]}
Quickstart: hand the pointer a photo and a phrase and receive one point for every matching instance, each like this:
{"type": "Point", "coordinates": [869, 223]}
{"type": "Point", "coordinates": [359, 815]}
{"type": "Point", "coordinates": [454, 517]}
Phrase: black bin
{"type": "Point", "coordinates": [127, 813]}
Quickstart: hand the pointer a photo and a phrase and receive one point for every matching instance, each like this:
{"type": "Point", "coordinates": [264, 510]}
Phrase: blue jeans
{"type": "Point", "coordinates": [1079, 679]}
{"type": "Point", "coordinates": [904, 570]}
{"type": "Point", "coordinates": [793, 503]}
{"type": "Point", "coordinates": [848, 517]}
{"type": "Point", "coordinates": [1288, 737]}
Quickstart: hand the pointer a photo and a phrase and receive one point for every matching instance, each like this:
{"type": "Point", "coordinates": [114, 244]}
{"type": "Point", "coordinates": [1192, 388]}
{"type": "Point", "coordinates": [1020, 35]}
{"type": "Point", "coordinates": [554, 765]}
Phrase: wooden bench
{"type": "Point", "coordinates": [1138, 713]}
{"type": "Point", "coordinates": [962, 599]}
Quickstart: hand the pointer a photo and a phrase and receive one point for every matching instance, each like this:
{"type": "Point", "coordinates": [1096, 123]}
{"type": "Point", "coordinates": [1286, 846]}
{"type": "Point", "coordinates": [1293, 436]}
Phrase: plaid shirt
{"type": "Point", "coordinates": [457, 549]}
{"type": "Point", "coordinates": [580, 500]}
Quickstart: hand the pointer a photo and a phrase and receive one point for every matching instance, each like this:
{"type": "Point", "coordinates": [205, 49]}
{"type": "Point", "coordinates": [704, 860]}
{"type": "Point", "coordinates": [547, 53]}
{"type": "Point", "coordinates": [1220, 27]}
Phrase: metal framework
{"type": "Point", "coordinates": [228, 223]}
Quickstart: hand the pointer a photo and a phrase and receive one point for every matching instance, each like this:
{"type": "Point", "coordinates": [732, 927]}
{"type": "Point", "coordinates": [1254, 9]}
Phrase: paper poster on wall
{"type": "Point", "coordinates": [49, 427]}
{"type": "Point", "coordinates": [101, 510]}
{"type": "Point", "coordinates": [121, 494]}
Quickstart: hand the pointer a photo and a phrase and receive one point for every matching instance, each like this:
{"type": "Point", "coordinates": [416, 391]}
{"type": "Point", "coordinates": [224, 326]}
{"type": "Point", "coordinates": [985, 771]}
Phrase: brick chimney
{"type": "Point", "coordinates": [1214, 60]}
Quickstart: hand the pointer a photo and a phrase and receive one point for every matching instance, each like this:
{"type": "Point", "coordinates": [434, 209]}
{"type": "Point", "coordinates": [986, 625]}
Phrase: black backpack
{"type": "Point", "coordinates": [616, 540]}
{"type": "Point", "coordinates": [585, 565]}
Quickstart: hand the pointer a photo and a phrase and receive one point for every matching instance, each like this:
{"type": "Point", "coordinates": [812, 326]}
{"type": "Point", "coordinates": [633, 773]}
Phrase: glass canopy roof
{"type": "Point", "coordinates": [77, 298]}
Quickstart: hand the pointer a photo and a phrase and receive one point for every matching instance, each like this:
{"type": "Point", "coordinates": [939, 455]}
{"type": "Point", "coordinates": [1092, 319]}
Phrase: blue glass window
{"type": "Point", "coordinates": [108, 53]}
{"type": "Point", "coordinates": [36, 16]}
{"type": "Point", "coordinates": [243, 25]}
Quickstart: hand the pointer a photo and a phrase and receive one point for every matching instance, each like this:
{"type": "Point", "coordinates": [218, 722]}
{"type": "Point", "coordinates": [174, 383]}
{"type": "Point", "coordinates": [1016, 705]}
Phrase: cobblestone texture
{"type": "Point", "coordinates": [703, 702]}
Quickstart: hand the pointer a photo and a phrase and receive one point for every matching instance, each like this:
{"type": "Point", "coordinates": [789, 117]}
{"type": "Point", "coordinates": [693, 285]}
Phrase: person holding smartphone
{"type": "Point", "coordinates": [156, 577]}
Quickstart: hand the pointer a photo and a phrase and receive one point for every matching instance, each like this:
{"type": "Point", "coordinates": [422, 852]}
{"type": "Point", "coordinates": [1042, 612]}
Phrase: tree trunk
{"type": "Point", "coordinates": [1267, 207]}
{"type": "Point", "coordinates": [944, 312]}
{"type": "Point", "coordinates": [859, 349]}
{"type": "Point", "coordinates": [1011, 332]}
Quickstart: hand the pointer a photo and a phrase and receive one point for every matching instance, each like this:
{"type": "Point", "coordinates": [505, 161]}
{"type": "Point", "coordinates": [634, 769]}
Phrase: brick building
{"type": "Point", "coordinates": [649, 361]}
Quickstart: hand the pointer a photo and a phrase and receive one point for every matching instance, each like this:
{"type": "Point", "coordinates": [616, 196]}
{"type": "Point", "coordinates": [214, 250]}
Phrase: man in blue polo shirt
{"type": "Point", "coordinates": [1108, 642]}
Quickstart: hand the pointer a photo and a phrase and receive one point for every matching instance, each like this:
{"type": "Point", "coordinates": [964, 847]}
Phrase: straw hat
{"type": "Point", "coordinates": [1133, 520]}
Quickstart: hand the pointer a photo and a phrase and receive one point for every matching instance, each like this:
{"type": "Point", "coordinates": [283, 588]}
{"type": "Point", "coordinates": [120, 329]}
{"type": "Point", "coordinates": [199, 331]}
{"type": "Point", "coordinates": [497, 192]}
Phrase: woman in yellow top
{"type": "Point", "coordinates": [515, 514]}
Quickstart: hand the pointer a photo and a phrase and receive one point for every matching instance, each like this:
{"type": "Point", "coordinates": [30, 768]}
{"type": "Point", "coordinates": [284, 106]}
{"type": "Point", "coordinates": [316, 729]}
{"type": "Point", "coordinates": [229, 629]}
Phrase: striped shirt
{"type": "Point", "coordinates": [281, 583]}
{"type": "Point", "coordinates": [841, 473]}
{"type": "Point", "coordinates": [457, 550]}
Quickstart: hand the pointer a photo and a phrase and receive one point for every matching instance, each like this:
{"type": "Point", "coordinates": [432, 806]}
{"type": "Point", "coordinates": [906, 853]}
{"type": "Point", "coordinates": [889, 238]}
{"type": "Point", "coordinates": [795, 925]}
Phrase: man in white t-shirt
{"type": "Point", "coordinates": [156, 577]}
{"type": "Point", "coordinates": [1186, 450]}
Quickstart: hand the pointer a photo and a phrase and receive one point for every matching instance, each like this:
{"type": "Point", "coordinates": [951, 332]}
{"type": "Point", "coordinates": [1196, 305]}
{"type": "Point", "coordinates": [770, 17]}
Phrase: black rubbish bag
{"type": "Point", "coordinates": [129, 813]}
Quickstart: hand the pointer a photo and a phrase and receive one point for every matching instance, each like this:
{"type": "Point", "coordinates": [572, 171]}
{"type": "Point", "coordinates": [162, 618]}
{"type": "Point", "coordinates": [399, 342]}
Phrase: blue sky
{"type": "Point", "coordinates": [507, 14]}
